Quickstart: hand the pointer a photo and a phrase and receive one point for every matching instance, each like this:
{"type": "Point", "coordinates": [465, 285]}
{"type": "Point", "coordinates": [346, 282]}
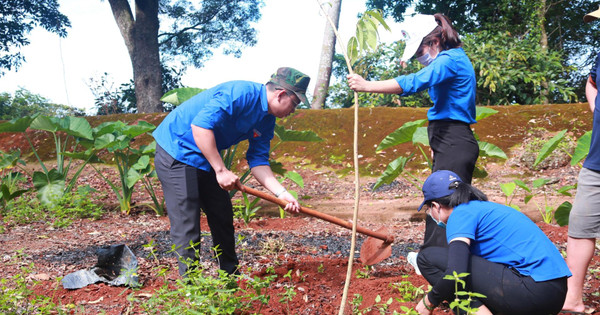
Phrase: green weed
{"type": "Point", "coordinates": [408, 292]}
{"type": "Point", "coordinates": [364, 273]}
{"type": "Point", "coordinates": [460, 302]}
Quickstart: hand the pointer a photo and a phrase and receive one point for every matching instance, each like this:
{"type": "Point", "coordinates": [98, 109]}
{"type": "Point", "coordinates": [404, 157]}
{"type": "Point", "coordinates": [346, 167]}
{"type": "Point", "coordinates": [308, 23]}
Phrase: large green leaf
{"type": "Point", "coordinates": [108, 127]}
{"type": "Point", "coordinates": [583, 148]}
{"type": "Point", "coordinates": [295, 135]}
{"type": "Point", "coordinates": [50, 124]}
{"type": "Point", "coordinates": [491, 150]}
{"type": "Point", "coordinates": [180, 95]}
{"type": "Point", "coordinates": [420, 136]}
{"type": "Point", "coordinates": [141, 163]}
{"type": "Point", "coordinates": [352, 50]}
{"type": "Point", "coordinates": [549, 147]}
{"type": "Point", "coordinates": [9, 160]}
{"type": "Point", "coordinates": [401, 135]}
{"type": "Point", "coordinates": [277, 167]}
{"type": "Point", "coordinates": [539, 182]}
{"type": "Point", "coordinates": [141, 127]}
{"type": "Point", "coordinates": [104, 141]}
{"type": "Point", "coordinates": [508, 188]}
{"type": "Point", "coordinates": [378, 16]}
{"type": "Point", "coordinates": [75, 126]}
{"type": "Point", "coordinates": [148, 149]}
{"type": "Point", "coordinates": [50, 187]}
{"type": "Point", "coordinates": [132, 177]}
{"type": "Point", "coordinates": [80, 127]}
{"type": "Point", "coordinates": [483, 112]}
{"type": "Point", "coordinates": [561, 215]}
{"type": "Point", "coordinates": [18, 124]}
{"type": "Point", "coordinates": [296, 178]}
{"type": "Point", "coordinates": [392, 171]}
{"type": "Point", "coordinates": [522, 184]}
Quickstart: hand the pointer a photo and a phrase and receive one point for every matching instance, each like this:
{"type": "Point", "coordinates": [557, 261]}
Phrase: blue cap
{"type": "Point", "coordinates": [438, 185]}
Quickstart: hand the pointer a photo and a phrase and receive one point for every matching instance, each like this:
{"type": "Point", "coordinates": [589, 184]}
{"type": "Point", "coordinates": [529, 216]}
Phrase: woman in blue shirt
{"type": "Point", "coordinates": [450, 79]}
{"type": "Point", "coordinates": [508, 258]}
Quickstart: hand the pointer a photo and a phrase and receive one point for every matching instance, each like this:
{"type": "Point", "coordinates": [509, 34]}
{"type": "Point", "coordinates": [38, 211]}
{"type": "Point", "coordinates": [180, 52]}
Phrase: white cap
{"type": "Point", "coordinates": [421, 26]}
{"type": "Point", "coordinates": [591, 16]}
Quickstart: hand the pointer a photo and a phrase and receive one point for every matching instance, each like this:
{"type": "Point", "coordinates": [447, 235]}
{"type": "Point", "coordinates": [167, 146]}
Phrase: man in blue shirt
{"type": "Point", "coordinates": [192, 172]}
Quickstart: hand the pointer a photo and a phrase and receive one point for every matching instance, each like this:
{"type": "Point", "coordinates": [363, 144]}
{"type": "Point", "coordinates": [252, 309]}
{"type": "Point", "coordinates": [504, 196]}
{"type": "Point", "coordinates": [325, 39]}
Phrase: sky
{"type": "Point", "coordinates": [290, 33]}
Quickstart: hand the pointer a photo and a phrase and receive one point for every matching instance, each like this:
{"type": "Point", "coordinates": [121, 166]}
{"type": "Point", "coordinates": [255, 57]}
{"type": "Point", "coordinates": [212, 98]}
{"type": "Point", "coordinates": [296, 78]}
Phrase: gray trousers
{"type": "Point", "coordinates": [187, 191]}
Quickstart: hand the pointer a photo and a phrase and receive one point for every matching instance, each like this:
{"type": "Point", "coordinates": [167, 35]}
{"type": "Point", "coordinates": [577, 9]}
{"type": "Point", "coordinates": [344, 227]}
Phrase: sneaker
{"type": "Point", "coordinates": [412, 260]}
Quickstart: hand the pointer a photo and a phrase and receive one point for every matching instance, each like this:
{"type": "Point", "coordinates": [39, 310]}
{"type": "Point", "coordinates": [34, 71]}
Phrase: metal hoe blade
{"type": "Point", "coordinates": [374, 250]}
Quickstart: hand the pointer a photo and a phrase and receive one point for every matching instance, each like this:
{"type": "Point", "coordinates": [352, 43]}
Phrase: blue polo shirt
{"type": "Point", "coordinates": [450, 79]}
{"type": "Point", "coordinates": [504, 235]}
{"type": "Point", "coordinates": [234, 111]}
{"type": "Point", "coordinates": [592, 161]}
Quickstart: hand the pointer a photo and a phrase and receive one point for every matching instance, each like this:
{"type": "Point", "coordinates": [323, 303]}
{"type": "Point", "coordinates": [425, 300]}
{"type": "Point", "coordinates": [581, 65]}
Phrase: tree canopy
{"type": "Point", "coordinates": [190, 33]}
{"type": "Point", "coordinates": [523, 51]}
{"type": "Point", "coordinates": [25, 103]}
{"type": "Point", "coordinates": [18, 18]}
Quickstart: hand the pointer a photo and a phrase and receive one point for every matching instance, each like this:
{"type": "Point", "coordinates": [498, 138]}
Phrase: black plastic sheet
{"type": "Point", "coordinates": [116, 266]}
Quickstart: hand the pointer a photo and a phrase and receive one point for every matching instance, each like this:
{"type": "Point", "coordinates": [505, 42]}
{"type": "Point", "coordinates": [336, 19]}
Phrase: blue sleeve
{"type": "Point", "coordinates": [595, 68]}
{"type": "Point", "coordinates": [214, 112]}
{"type": "Point", "coordinates": [462, 223]}
{"type": "Point", "coordinates": [458, 260]}
{"type": "Point", "coordinates": [440, 70]}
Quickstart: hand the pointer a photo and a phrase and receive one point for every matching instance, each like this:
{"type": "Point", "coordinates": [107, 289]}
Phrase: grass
{"type": "Point", "coordinates": [75, 205]}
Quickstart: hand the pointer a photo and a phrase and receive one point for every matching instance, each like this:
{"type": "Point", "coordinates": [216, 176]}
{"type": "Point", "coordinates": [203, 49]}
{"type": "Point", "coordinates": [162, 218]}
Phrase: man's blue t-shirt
{"type": "Point", "coordinates": [592, 161]}
{"type": "Point", "coordinates": [504, 235]}
{"type": "Point", "coordinates": [234, 111]}
{"type": "Point", "coordinates": [451, 81]}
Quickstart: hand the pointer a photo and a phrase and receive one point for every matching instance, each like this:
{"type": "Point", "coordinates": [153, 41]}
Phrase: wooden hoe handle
{"type": "Point", "coordinates": [313, 213]}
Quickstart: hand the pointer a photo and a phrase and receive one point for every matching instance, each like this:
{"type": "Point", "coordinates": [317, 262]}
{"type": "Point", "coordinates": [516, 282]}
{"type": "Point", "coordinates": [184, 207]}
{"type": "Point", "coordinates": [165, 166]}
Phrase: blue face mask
{"type": "Point", "coordinates": [426, 59]}
{"type": "Point", "coordinates": [439, 223]}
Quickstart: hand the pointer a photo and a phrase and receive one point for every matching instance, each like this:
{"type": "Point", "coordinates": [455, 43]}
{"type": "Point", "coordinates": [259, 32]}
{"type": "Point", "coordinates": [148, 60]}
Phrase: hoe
{"type": "Point", "coordinates": [375, 248]}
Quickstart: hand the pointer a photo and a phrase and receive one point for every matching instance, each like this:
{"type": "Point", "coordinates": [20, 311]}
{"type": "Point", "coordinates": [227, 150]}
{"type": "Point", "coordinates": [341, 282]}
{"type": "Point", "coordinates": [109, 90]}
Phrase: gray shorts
{"type": "Point", "coordinates": [584, 220]}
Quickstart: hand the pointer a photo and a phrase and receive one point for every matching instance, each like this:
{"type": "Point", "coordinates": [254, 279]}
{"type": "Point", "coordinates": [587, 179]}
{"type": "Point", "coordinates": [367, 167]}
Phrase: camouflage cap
{"type": "Point", "coordinates": [292, 80]}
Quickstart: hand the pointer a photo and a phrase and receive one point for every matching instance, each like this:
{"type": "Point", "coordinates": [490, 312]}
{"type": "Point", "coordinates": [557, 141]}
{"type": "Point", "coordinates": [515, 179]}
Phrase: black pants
{"type": "Point", "coordinates": [187, 190]}
{"type": "Point", "coordinates": [454, 149]}
{"type": "Point", "coordinates": [506, 291]}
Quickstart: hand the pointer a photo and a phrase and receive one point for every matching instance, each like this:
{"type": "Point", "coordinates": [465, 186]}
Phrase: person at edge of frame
{"type": "Point", "coordinates": [506, 256]}
{"type": "Point", "coordinates": [584, 219]}
{"type": "Point", "coordinates": [192, 173]}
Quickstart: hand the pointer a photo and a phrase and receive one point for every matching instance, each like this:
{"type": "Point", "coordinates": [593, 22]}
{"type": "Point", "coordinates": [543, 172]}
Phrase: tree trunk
{"type": "Point", "coordinates": [141, 38]}
{"type": "Point", "coordinates": [327, 53]}
{"type": "Point", "coordinates": [544, 45]}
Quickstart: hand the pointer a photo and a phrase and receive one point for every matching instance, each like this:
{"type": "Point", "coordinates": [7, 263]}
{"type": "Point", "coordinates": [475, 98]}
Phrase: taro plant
{"type": "Point", "coordinates": [582, 149]}
{"type": "Point", "coordinates": [116, 137]}
{"type": "Point", "coordinates": [10, 179]}
{"type": "Point", "coordinates": [246, 210]}
{"type": "Point", "coordinates": [547, 210]}
{"type": "Point", "coordinates": [413, 131]}
{"type": "Point", "coordinates": [68, 133]}
{"type": "Point", "coordinates": [143, 171]}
